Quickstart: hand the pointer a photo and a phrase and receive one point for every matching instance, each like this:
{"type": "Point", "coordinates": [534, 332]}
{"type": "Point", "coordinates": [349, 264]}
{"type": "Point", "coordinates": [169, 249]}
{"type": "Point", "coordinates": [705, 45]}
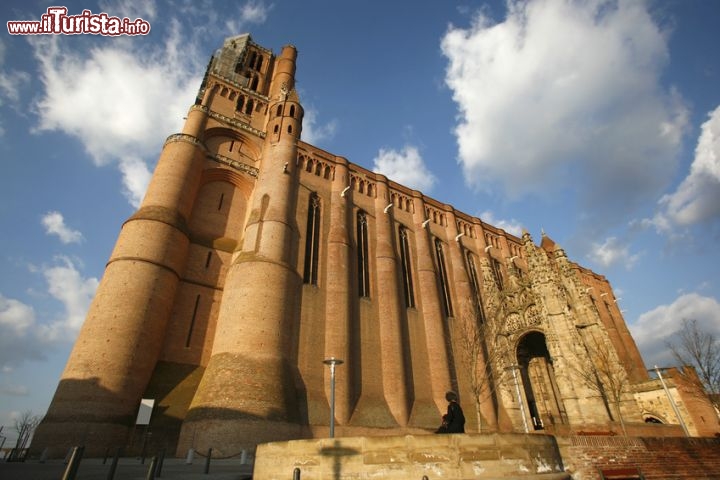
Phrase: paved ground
{"type": "Point", "coordinates": [127, 469]}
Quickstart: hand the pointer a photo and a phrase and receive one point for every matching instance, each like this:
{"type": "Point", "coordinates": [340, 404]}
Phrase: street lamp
{"type": "Point", "coordinates": [332, 361]}
{"type": "Point", "coordinates": [514, 368]}
{"type": "Point", "coordinates": [672, 402]}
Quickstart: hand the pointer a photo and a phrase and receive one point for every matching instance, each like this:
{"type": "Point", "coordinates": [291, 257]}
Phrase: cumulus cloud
{"type": "Point", "coordinates": [697, 198]}
{"type": "Point", "coordinates": [565, 95]}
{"type": "Point", "coordinates": [26, 336]}
{"type": "Point", "coordinates": [112, 100]}
{"type": "Point", "coordinates": [136, 178]}
{"type": "Point", "coordinates": [67, 285]}
{"type": "Point", "coordinates": [252, 12]}
{"type": "Point", "coordinates": [54, 224]}
{"type": "Point", "coordinates": [655, 328]}
{"type": "Point", "coordinates": [612, 252]}
{"type": "Point", "coordinates": [121, 99]}
{"type": "Point", "coordinates": [118, 103]}
{"type": "Point", "coordinates": [314, 133]}
{"type": "Point", "coordinates": [405, 166]}
{"type": "Point", "coordinates": [511, 226]}
{"type": "Point", "coordinates": [18, 342]}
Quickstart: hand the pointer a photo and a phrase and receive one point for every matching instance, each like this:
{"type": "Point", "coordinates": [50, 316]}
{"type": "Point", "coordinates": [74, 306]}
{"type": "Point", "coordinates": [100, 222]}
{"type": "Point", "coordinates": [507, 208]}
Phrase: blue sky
{"type": "Point", "coordinates": [595, 121]}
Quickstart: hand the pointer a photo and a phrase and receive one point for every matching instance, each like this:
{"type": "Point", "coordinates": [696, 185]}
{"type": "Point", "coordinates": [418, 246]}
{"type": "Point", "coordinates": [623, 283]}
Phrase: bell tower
{"type": "Point", "coordinates": [250, 379]}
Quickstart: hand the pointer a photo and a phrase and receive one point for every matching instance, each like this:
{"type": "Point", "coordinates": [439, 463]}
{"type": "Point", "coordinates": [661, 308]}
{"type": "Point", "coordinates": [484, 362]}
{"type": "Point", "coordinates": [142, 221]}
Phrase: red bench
{"type": "Point", "coordinates": [627, 473]}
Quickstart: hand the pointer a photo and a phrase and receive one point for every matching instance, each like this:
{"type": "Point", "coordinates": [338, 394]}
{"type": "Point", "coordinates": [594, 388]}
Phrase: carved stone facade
{"type": "Point", "coordinates": [255, 255]}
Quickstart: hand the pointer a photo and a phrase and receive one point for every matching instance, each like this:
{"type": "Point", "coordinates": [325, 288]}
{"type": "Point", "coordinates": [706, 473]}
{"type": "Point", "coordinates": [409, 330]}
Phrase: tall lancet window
{"type": "Point", "coordinates": [405, 261]}
{"type": "Point", "coordinates": [474, 280]}
{"type": "Point", "coordinates": [443, 278]}
{"type": "Point", "coordinates": [497, 272]}
{"type": "Point", "coordinates": [312, 240]}
{"type": "Point", "coordinates": [362, 252]}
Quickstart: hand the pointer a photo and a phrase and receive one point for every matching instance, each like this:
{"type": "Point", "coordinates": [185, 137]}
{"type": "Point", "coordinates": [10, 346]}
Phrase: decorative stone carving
{"type": "Point", "coordinates": [532, 316]}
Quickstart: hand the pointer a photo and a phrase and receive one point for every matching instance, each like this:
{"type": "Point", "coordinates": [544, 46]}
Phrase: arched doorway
{"type": "Point", "coordinates": [539, 384]}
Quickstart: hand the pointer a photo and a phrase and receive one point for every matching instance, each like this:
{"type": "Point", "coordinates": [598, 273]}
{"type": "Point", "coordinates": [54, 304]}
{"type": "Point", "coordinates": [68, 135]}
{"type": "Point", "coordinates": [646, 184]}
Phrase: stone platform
{"type": "Point", "coordinates": [464, 456]}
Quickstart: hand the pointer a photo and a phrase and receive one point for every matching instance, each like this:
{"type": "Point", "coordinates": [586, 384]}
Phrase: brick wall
{"type": "Point", "coordinates": [658, 458]}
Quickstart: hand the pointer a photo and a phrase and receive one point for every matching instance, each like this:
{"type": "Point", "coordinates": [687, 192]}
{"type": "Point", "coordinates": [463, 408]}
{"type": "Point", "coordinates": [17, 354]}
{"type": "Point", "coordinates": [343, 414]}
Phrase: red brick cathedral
{"type": "Point", "coordinates": [255, 256]}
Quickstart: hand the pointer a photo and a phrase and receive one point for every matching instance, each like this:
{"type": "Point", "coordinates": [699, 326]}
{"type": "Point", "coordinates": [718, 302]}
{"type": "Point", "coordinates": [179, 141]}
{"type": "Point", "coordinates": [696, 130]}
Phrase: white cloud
{"type": "Point", "coordinates": [147, 10]}
{"type": "Point", "coordinates": [18, 340]}
{"type": "Point", "coordinates": [114, 100]}
{"type": "Point", "coordinates": [10, 83]}
{"type": "Point", "coordinates": [16, 318]}
{"type": "Point", "coordinates": [67, 285]}
{"type": "Point", "coordinates": [119, 100]}
{"type": "Point", "coordinates": [697, 198]}
{"type": "Point", "coordinates": [254, 12]}
{"type": "Point", "coordinates": [405, 166]}
{"type": "Point", "coordinates": [136, 177]}
{"type": "Point", "coordinates": [511, 226]}
{"type": "Point", "coordinates": [655, 328]}
{"type": "Point", "coordinates": [566, 95]}
{"type": "Point", "coordinates": [25, 335]}
{"type": "Point", "coordinates": [312, 132]}
{"type": "Point", "coordinates": [54, 224]}
{"type": "Point", "coordinates": [612, 252]}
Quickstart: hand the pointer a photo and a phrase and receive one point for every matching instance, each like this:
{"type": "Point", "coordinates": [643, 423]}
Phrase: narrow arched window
{"type": "Point", "coordinates": [362, 255]}
{"type": "Point", "coordinates": [497, 272]}
{"type": "Point", "coordinates": [312, 241]}
{"type": "Point", "coordinates": [292, 111]}
{"type": "Point", "coordinates": [249, 106]}
{"type": "Point", "coordinates": [258, 63]}
{"type": "Point", "coordinates": [254, 83]}
{"type": "Point", "coordinates": [240, 103]}
{"type": "Point", "coordinates": [474, 281]}
{"type": "Point", "coordinates": [191, 327]}
{"type": "Point", "coordinates": [405, 261]}
{"type": "Point", "coordinates": [443, 278]}
{"type": "Point", "coordinates": [279, 111]}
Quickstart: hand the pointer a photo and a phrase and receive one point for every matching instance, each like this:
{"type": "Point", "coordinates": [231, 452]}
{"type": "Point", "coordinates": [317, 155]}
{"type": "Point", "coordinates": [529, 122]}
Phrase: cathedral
{"type": "Point", "coordinates": [256, 259]}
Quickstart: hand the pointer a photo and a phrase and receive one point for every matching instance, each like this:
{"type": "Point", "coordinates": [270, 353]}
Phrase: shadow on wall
{"type": "Point", "coordinates": [336, 452]}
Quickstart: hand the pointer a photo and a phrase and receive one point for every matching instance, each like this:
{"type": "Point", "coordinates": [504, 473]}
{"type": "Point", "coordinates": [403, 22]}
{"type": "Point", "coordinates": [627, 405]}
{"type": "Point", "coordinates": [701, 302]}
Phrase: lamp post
{"type": "Point", "coordinates": [332, 361]}
{"type": "Point", "coordinates": [672, 402]}
{"type": "Point", "coordinates": [514, 368]}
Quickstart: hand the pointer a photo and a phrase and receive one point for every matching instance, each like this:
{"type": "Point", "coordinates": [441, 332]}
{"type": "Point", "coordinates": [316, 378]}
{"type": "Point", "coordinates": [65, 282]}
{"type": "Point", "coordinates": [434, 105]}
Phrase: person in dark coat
{"type": "Point", "coordinates": [454, 419]}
